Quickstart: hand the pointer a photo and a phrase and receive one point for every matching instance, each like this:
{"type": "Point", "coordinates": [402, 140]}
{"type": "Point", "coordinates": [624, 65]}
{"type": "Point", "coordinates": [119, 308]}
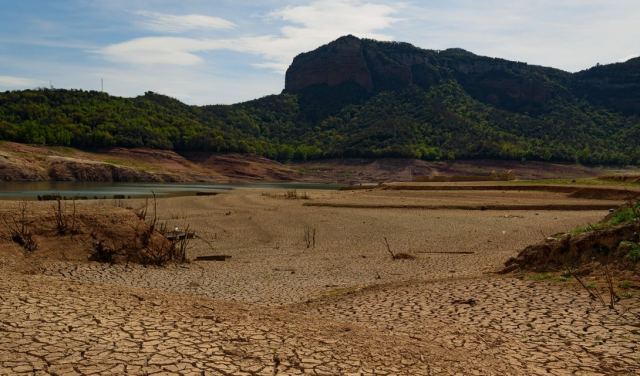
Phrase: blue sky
{"type": "Point", "coordinates": [224, 51]}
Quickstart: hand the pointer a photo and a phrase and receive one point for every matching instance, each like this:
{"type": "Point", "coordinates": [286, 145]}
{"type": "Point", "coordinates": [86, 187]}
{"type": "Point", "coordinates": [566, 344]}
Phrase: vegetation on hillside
{"type": "Point", "coordinates": [460, 106]}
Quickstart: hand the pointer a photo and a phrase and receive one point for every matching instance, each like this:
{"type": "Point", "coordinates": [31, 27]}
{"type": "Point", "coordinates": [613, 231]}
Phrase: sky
{"type": "Point", "coordinates": [227, 51]}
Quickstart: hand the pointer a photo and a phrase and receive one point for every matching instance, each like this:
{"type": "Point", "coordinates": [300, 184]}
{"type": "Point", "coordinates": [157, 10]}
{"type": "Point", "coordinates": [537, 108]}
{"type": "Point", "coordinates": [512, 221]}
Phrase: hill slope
{"type": "Point", "coordinates": [363, 98]}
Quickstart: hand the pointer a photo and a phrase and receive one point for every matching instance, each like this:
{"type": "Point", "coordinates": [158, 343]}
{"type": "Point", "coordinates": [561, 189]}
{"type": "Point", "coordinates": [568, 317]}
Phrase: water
{"type": "Point", "coordinates": [31, 190]}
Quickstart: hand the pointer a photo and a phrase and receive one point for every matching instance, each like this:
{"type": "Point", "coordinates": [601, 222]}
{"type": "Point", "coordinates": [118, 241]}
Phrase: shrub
{"type": "Point", "coordinates": [65, 223]}
{"type": "Point", "coordinates": [18, 228]}
{"type": "Point", "coordinates": [100, 252]}
{"type": "Point", "coordinates": [626, 214]}
{"type": "Point", "coordinates": [633, 255]}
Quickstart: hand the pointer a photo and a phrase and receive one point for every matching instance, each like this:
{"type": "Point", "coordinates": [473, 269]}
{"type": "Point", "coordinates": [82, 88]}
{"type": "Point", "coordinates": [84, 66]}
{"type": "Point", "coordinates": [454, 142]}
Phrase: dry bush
{"type": "Point", "coordinates": [141, 213]}
{"type": "Point", "coordinates": [101, 252]}
{"type": "Point", "coordinates": [65, 223]}
{"type": "Point", "coordinates": [310, 236]}
{"type": "Point", "coordinates": [153, 243]}
{"type": "Point", "coordinates": [109, 236]}
{"type": "Point", "coordinates": [180, 245]}
{"type": "Point", "coordinates": [118, 203]}
{"type": "Point", "coordinates": [18, 229]}
{"type": "Point", "coordinates": [595, 294]}
{"type": "Point", "coordinates": [142, 243]}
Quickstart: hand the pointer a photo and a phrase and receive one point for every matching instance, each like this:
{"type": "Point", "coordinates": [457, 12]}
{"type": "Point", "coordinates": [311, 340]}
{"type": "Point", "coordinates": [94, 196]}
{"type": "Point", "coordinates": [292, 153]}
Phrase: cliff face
{"type": "Point", "coordinates": [352, 60]}
{"type": "Point", "coordinates": [336, 63]}
{"type": "Point", "coordinates": [378, 66]}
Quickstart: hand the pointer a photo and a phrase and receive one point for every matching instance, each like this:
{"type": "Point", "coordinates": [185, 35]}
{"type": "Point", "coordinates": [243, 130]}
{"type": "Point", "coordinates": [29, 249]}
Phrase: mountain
{"type": "Point", "coordinates": [378, 66]}
{"type": "Point", "coordinates": [364, 98]}
{"type": "Point", "coordinates": [614, 86]}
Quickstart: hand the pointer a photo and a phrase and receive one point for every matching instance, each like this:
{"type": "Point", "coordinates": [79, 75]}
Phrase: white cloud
{"type": "Point", "coordinates": [317, 23]}
{"type": "Point", "coordinates": [170, 23]}
{"type": "Point", "coordinates": [11, 82]}
{"type": "Point", "coordinates": [200, 85]}
{"type": "Point", "coordinates": [307, 27]}
{"type": "Point", "coordinates": [567, 34]}
{"type": "Point", "coordinates": [161, 50]}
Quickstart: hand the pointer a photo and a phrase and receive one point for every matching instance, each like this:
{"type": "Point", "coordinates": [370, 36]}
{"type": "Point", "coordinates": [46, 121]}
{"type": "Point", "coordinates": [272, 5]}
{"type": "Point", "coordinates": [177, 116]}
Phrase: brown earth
{"type": "Point", "coordinates": [577, 191]}
{"type": "Point", "coordinates": [343, 306]}
{"type": "Point", "coordinates": [19, 162]}
{"type": "Point", "coordinates": [582, 250]}
{"type": "Point", "coordinates": [627, 178]}
{"type": "Point", "coordinates": [71, 231]}
{"type": "Point", "coordinates": [238, 167]}
{"type": "Point", "coordinates": [353, 171]}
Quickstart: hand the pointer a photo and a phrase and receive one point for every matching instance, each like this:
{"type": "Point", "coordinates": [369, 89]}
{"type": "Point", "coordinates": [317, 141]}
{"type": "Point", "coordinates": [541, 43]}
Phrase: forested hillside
{"type": "Point", "coordinates": [366, 98]}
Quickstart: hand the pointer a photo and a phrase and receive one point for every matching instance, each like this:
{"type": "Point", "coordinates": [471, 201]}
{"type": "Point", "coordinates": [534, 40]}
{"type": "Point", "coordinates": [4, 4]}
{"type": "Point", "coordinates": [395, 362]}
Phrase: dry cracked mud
{"type": "Point", "coordinates": [344, 307]}
{"type": "Point", "coordinates": [50, 326]}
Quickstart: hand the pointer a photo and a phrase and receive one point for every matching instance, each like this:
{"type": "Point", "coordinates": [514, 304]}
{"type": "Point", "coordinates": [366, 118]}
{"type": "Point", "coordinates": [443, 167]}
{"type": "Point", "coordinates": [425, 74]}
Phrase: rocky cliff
{"type": "Point", "coordinates": [378, 66]}
{"type": "Point", "coordinates": [352, 60]}
{"type": "Point", "coordinates": [333, 64]}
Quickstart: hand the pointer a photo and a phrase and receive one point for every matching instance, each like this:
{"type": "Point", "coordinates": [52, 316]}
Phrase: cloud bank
{"type": "Point", "coordinates": [306, 27]}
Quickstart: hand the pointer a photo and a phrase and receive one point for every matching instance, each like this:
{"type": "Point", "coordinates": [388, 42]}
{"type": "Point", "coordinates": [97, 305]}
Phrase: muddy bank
{"type": "Point", "coordinates": [594, 193]}
{"type": "Point", "coordinates": [550, 207]}
{"type": "Point", "coordinates": [361, 170]}
{"type": "Point", "coordinates": [28, 163]}
{"type": "Point", "coordinates": [19, 162]}
{"type": "Point", "coordinates": [614, 241]}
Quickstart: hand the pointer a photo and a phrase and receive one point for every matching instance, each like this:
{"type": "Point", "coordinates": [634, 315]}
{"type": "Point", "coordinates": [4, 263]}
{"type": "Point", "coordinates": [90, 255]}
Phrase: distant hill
{"type": "Point", "coordinates": [363, 98]}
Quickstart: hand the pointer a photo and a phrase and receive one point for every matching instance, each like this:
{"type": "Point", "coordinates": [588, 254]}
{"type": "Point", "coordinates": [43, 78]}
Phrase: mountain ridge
{"type": "Point", "coordinates": [363, 98]}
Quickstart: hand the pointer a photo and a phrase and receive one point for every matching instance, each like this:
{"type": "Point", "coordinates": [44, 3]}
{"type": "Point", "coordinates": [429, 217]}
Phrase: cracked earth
{"type": "Point", "coordinates": [344, 307]}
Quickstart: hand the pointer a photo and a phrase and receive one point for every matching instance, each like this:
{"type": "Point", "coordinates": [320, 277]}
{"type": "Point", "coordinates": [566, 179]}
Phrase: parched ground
{"type": "Point", "coordinates": [536, 328]}
{"type": "Point", "coordinates": [57, 327]}
{"type": "Point", "coordinates": [341, 307]}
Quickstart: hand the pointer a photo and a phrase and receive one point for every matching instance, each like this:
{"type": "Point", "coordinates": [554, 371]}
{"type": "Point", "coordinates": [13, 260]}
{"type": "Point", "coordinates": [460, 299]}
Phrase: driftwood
{"type": "Point", "coordinates": [447, 252]}
{"type": "Point", "coordinates": [213, 258]}
{"type": "Point", "coordinates": [203, 193]}
{"type": "Point", "coordinates": [179, 235]}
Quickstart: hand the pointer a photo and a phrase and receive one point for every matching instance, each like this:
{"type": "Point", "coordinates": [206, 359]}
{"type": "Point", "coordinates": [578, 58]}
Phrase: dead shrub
{"type": "Point", "coordinates": [141, 213]}
{"type": "Point", "coordinates": [156, 244]}
{"type": "Point", "coordinates": [101, 252]}
{"type": "Point", "coordinates": [310, 236]}
{"type": "Point", "coordinates": [18, 229]}
{"type": "Point", "coordinates": [65, 223]}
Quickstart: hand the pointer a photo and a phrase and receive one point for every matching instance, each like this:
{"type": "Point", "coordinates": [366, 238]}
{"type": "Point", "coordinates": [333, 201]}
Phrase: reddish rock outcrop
{"type": "Point", "coordinates": [333, 64]}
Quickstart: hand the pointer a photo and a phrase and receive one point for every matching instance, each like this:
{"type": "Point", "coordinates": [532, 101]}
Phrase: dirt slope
{"type": "Point", "coordinates": [19, 162]}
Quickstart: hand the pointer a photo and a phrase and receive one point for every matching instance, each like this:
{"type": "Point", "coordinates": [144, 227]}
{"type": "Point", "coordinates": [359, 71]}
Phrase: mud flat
{"type": "Point", "coordinates": [282, 305]}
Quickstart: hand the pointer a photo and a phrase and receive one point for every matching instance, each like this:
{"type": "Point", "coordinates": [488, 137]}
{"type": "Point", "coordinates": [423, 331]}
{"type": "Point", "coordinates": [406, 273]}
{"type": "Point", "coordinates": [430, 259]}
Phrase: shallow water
{"type": "Point", "coordinates": [31, 190]}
